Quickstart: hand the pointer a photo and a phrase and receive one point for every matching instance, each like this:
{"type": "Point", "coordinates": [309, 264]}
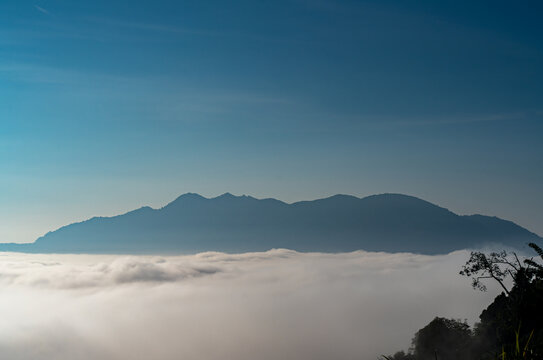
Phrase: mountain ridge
{"type": "Point", "coordinates": [193, 223]}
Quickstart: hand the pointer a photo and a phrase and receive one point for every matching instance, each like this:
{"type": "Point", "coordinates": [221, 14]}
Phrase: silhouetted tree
{"type": "Point", "coordinates": [502, 265]}
{"type": "Point", "coordinates": [511, 327]}
{"type": "Point", "coordinates": [446, 339]}
{"type": "Point", "coordinates": [515, 317]}
{"type": "Point", "coordinates": [400, 355]}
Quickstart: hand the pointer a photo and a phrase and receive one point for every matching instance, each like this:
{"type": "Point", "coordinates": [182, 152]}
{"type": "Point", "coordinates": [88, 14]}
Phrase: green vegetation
{"type": "Point", "coordinates": [510, 328]}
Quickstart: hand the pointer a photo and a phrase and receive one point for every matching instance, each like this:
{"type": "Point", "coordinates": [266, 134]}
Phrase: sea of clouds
{"type": "Point", "coordinates": [278, 304]}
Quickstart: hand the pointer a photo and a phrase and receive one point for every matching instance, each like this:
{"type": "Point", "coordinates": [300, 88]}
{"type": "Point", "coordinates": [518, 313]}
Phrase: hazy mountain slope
{"type": "Point", "coordinates": [192, 223]}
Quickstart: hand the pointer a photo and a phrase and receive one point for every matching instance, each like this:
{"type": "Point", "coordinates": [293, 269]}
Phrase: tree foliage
{"type": "Point", "coordinates": [443, 338]}
{"type": "Point", "coordinates": [515, 316]}
{"type": "Point", "coordinates": [511, 327]}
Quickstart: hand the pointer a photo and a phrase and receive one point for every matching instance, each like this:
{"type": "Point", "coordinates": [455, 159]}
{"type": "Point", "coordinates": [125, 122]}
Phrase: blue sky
{"type": "Point", "coordinates": [111, 105]}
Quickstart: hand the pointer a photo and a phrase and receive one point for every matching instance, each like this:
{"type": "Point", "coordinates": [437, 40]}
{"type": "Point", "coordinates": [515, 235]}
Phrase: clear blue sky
{"type": "Point", "coordinates": [109, 105]}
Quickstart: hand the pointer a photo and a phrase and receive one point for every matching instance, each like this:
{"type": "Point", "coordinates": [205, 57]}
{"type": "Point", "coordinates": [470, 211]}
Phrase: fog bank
{"type": "Point", "coordinates": [278, 304]}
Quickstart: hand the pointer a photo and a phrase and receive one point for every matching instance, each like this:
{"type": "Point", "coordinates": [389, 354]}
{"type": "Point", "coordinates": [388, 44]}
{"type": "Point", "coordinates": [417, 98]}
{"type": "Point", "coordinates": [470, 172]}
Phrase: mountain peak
{"type": "Point", "coordinates": [192, 223]}
{"type": "Point", "coordinates": [190, 195]}
{"type": "Point", "coordinates": [401, 200]}
{"type": "Point", "coordinates": [184, 198]}
{"type": "Point", "coordinates": [395, 196]}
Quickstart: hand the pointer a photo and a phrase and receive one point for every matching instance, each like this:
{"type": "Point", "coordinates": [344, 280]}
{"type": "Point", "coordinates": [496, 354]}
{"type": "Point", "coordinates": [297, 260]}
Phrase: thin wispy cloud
{"type": "Point", "coordinates": [42, 10]}
{"type": "Point", "coordinates": [155, 27]}
{"type": "Point", "coordinates": [186, 31]}
{"type": "Point", "coordinates": [466, 119]}
{"type": "Point", "coordinates": [447, 120]}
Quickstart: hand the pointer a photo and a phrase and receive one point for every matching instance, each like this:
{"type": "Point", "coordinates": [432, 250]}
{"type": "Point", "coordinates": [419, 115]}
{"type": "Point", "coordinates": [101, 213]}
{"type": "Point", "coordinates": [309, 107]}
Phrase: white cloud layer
{"type": "Point", "coordinates": [278, 304]}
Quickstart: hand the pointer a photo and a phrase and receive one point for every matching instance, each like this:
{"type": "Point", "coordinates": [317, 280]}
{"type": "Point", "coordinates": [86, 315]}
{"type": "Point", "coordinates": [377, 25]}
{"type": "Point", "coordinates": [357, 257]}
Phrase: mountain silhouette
{"type": "Point", "coordinates": [193, 223]}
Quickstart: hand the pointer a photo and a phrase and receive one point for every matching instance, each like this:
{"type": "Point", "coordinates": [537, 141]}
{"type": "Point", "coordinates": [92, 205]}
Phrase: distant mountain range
{"type": "Point", "coordinates": [192, 223]}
